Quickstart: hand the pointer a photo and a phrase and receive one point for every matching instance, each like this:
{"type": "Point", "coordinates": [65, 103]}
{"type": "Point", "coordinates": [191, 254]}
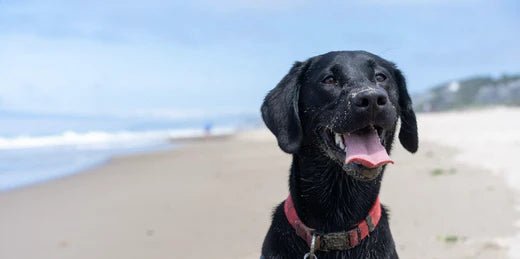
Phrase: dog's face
{"type": "Point", "coordinates": [346, 105]}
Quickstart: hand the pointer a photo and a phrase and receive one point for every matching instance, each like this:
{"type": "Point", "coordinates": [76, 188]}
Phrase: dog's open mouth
{"type": "Point", "coordinates": [362, 151]}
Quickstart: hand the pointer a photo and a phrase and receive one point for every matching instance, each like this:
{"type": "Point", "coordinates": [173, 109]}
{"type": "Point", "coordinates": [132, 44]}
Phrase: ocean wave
{"type": "Point", "coordinates": [100, 139]}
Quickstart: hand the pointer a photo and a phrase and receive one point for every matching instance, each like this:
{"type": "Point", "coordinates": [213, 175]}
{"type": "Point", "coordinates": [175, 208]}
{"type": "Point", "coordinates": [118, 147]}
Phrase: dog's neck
{"type": "Point", "coordinates": [325, 197]}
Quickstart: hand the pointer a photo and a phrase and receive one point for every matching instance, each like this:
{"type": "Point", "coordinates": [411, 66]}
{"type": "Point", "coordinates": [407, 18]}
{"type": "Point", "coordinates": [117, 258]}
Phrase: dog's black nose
{"type": "Point", "coordinates": [370, 100]}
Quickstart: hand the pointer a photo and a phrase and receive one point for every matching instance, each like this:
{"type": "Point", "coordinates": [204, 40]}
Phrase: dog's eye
{"type": "Point", "coordinates": [380, 77]}
{"type": "Point", "coordinates": [330, 80]}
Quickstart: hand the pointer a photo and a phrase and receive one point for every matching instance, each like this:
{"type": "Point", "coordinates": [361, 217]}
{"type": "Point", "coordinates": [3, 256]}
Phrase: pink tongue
{"type": "Point", "coordinates": [366, 149]}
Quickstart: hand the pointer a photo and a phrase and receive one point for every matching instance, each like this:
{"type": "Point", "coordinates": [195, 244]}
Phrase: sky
{"type": "Point", "coordinates": [183, 58]}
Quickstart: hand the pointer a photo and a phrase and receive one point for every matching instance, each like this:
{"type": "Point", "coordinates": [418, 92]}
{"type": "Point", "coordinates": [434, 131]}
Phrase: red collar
{"type": "Point", "coordinates": [338, 240]}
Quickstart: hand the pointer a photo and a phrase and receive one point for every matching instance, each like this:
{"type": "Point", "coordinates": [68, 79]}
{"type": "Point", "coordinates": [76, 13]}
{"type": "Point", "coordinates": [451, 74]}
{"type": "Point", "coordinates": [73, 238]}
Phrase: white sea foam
{"type": "Point", "coordinates": [99, 139]}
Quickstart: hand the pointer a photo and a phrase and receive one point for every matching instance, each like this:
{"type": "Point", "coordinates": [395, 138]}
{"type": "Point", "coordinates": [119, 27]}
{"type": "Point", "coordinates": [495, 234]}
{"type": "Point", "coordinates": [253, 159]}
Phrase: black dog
{"type": "Point", "coordinates": [336, 114]}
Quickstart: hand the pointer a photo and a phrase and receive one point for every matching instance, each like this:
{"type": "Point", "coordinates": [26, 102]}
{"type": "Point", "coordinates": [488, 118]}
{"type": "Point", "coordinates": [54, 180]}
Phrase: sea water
{"type": "Point", "coordinates": [35, 148]}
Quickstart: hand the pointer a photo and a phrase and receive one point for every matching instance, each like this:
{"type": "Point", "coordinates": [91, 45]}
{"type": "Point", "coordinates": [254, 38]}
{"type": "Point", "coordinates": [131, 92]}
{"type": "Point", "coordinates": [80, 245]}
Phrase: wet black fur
{"type": "Point", "coordinates": [325, 197]}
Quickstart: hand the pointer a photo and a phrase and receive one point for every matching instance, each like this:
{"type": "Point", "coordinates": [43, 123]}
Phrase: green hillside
{"type": "Point", "coordinates": [478, 91]}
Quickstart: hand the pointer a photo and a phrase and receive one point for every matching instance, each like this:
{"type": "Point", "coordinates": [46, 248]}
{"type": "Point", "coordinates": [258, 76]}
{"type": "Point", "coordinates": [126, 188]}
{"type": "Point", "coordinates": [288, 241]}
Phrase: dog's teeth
{"type": "Point", "coordinates": [341, 145]}
{"type": "Point", "coordinates": [337, 138]}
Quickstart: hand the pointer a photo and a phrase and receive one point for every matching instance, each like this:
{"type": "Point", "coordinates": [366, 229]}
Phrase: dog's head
{"type": "Point", "coordinates": [346, 105]}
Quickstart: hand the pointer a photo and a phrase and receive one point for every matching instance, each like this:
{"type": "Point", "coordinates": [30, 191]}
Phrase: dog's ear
{"type": "Point", "coordinates": [280, 110]}
{"type": "Point", "coordinates": [408, 132]}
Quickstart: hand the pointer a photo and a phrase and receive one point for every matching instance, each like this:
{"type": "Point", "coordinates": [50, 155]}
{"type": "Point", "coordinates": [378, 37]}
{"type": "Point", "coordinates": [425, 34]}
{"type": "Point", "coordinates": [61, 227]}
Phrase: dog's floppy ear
{"type": "Point", "coordinates": [408, 132]}
{"type": "Point", "coordinates": [280, 110]}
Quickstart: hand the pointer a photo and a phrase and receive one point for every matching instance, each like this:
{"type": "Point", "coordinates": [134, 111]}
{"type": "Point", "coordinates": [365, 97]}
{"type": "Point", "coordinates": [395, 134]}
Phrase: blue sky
{"type": "Point", "coordinates": [158, 58]}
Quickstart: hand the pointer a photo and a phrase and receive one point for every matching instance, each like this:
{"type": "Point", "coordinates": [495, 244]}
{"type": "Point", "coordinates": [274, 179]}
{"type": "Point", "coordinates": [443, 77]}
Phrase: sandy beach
{"type": "Point", "coordinates": [213, 198]}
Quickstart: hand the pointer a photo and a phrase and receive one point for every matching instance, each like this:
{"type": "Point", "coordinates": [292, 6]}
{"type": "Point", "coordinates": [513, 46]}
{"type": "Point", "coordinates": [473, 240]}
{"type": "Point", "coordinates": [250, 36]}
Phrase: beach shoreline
{"type": "Point", "coordinates": [57, 160]}
{"type": "Point", "coordinates": [214, 196]}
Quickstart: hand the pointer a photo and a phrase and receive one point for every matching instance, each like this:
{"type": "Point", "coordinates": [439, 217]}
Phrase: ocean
{"type": "Point", "coordinates": [37, 148]}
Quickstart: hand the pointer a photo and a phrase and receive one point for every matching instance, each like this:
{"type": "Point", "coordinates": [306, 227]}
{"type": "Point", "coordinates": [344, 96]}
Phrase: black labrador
{"type": "Point", "coordinates": [337, 114]}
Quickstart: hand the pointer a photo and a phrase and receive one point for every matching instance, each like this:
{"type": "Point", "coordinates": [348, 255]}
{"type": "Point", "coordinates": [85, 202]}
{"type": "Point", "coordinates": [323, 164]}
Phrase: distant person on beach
{"type": "Point", "coordinates": [207, 129]}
